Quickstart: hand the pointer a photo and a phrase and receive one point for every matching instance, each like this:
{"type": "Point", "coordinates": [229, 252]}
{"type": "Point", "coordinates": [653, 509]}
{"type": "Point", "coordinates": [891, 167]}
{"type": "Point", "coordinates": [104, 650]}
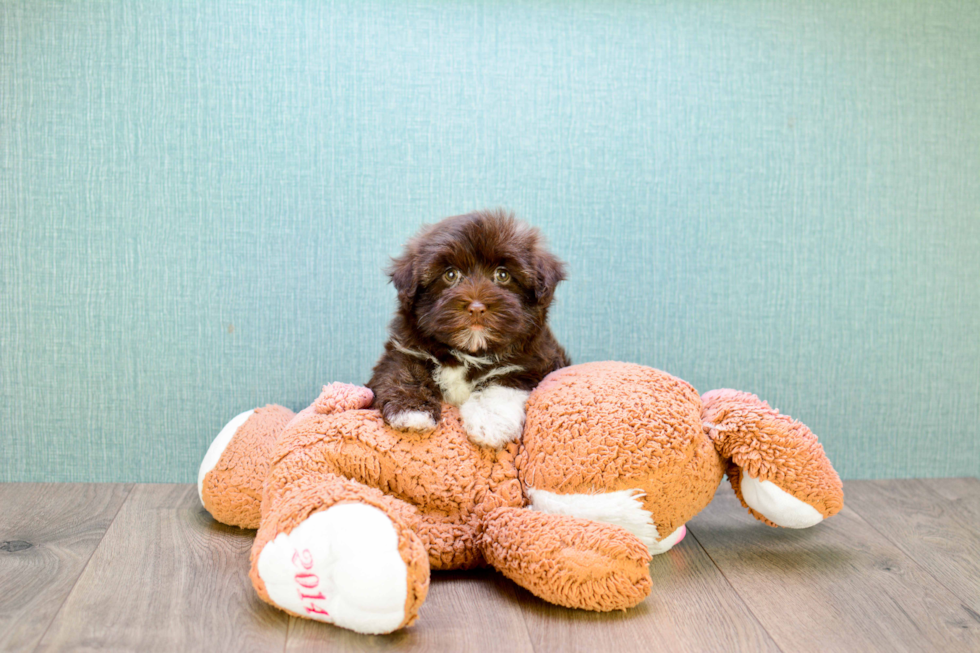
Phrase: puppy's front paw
{"type": "Point", "coordinates": [494, 416]}
{"type": "Point", "coordinates": [419, 421]}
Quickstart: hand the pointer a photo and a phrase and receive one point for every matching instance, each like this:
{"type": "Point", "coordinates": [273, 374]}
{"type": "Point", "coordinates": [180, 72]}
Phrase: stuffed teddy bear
{"type": "Point", "coordinates": [615, 458]}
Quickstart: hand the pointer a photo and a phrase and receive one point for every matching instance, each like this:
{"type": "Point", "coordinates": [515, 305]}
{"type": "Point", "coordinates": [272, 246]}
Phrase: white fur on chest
{"type": "Point", "coordinates": [452, 381]}
{"type": "Point", "coordinates": [456, 390]}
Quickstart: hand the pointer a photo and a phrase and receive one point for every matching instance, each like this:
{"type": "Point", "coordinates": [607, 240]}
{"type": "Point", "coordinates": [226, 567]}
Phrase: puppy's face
{"type": "Point", "coordinates": [477, 282]}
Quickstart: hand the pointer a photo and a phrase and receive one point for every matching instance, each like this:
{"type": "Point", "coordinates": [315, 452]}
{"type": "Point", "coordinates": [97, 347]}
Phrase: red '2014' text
{"type": "Point", "coordinates": [308, 582]}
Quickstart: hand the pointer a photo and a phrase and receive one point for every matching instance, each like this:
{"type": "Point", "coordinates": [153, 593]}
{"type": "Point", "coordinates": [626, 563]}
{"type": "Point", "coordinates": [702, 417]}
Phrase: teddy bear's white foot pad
{"type": "Point", "coordinates": [341, 566]}
{"type": "Point", "coordinates": [777, 505]}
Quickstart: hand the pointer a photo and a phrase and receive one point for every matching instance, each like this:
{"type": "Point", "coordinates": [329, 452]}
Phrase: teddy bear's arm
{"type": "Point", "coordinates": [577, 563]}
{"type": "Point", "coordinates": [775, 464]}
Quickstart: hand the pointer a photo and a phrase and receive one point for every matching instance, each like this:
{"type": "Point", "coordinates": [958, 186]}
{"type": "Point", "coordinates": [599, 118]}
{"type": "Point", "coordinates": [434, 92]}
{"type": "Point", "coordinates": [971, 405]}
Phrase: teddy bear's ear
{"type": "Point", "coordinates": [549, 272]}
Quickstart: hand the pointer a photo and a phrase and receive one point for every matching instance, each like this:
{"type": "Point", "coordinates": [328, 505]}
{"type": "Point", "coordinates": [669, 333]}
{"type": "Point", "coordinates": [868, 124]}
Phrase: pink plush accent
{"type": "Point", "coordinates": [683, 535]}
{"type": "Point", "coordinates": [338, 397]}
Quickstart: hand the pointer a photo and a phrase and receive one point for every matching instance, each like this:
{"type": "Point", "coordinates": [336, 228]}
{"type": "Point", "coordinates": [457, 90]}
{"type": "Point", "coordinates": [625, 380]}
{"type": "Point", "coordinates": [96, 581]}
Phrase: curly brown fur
{"type": "Point", "coordinates": [473, 298]}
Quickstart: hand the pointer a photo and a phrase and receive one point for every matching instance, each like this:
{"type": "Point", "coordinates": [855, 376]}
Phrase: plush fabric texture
{"type": "Point", "coordinates": [338, 397]}
{"type": "Point", "coordinates": [758, 440]}
{"type": "Point", "coordinates": [591, 429]}
{"type": "Point", "coordinates": [232, 491]}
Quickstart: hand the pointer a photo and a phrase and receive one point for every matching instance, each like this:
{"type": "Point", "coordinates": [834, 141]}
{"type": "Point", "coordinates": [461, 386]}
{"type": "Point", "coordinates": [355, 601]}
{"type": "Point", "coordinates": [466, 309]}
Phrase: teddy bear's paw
{"type": "Point", "coordinates": [777, 505]}
{"type": "Point", "coordinates": [494, 416]}
{"type": "Point", "coordinates": [217, 447]}
{"type": "Point", "coordinates": [418, 421]}
{"type": "Point", "coordinates": [341, 566]}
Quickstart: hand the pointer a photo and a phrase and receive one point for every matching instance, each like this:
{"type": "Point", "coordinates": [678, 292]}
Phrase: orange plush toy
{"type": "Point", "coordinates": [615, 459]}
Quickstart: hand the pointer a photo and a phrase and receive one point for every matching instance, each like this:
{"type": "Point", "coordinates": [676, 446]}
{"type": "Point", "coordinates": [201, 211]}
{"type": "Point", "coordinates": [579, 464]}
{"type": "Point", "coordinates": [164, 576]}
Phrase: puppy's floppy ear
{"type": "Point", "coordinates": [404, 275]}
{"type": "Point", "coordinates": [548, 272]}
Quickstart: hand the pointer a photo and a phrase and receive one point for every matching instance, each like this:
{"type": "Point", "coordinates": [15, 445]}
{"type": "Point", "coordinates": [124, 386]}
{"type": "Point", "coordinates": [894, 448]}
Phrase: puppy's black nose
{"type": "Point", "coordinates": [476, 309]}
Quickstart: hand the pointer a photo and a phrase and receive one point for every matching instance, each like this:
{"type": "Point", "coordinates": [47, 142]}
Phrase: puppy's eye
{"type": "Point", "coordinates": [501, 275]}
{"type": "Point", "coordinates": [451, 276]}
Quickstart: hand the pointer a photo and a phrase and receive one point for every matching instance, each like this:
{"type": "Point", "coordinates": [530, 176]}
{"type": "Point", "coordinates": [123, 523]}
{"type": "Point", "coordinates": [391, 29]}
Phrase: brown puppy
{"type": "Point", "coordinates": [471, 327]}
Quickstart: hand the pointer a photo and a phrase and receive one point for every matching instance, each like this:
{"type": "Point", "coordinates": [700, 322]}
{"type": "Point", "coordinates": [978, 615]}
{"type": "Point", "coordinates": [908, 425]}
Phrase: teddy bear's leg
{"type": "Point", "coordinates": [577, 563]}
{"type": "Point", "coordinates": [775, 465]}
{"type": "Point", "coordinates": [231, 475]}
{"type": "Point", "coordinates": [335, 550]}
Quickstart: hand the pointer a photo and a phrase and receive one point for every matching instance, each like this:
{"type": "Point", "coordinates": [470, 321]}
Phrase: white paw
{"type": "Point", "coordinates": [494, 416]}
{"type": "Point", "coordinates": [413, 420]}
{"type": "Point", "coordinates": [340, 566]}
{"type": "Point", "coordinates": [778, 506]}
{"type": "Point", "coordinates": [218, 446]}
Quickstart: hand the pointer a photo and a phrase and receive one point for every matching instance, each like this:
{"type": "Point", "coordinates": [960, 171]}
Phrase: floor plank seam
{"type": "Point", "coordinates": [748, 607]}
{"type": "Point", "coordinates": [81, 573]}
{"type": "Point", "coordinates": [907, 554]}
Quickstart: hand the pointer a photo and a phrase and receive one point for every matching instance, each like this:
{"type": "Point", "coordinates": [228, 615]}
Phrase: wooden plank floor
{"type": "Point", "coordinates": [144, 568]}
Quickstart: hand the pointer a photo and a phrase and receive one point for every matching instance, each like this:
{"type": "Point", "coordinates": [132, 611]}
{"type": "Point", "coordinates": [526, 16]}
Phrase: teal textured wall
{"type": "Point", "coordinates": [196, 201]}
